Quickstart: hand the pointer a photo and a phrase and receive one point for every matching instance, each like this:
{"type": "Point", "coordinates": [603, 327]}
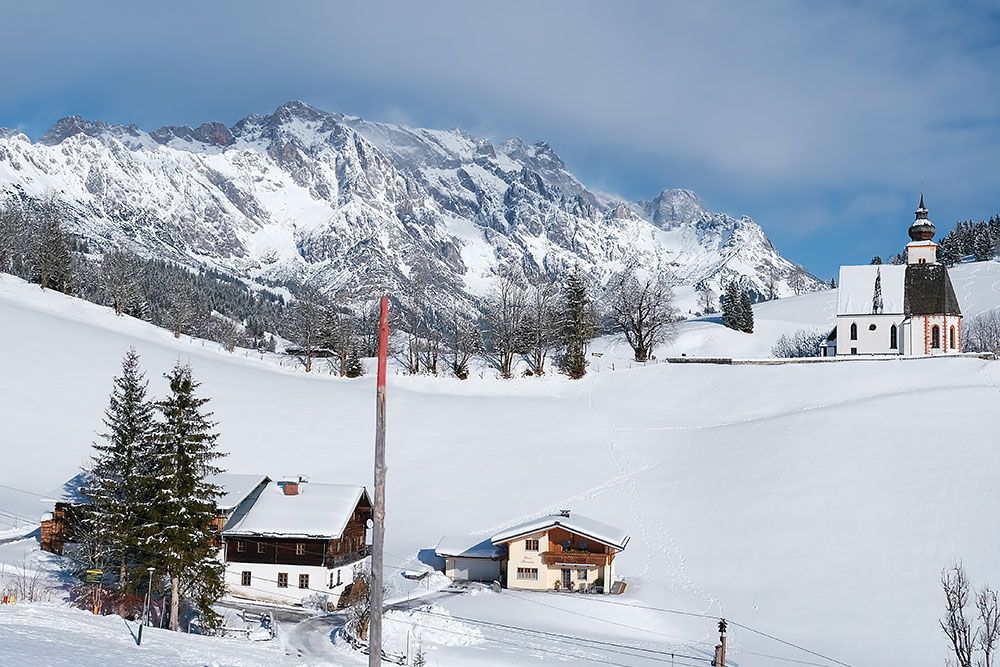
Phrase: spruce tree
{"type": "Point", "coordinates": [354, 368]}
{"type": "Point", "coordinates": [732, 306]}
{"type": "Point", "coordinates": [181, 528]}
{"type": "Point", "coordinates": [577, 319]}
{"type": "Point", "coordinates": [119, 480]}
{"type": "Point", "coordinates": [746, 311]}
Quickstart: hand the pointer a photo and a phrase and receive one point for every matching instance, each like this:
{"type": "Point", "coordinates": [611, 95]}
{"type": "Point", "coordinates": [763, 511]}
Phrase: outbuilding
{"type": "Point", "coordinates": [470, 558]}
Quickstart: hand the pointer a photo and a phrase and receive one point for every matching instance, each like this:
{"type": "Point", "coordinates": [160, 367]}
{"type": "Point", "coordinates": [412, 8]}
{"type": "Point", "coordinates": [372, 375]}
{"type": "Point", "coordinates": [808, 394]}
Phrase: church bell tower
{"type": "Point", "coordinates": [921, 249]}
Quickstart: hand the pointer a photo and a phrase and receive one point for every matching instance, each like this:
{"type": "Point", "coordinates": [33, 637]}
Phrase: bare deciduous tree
{"type": "Point", "coordinates": [182, 307]}
{"type": "Point", "coordinates": [956, 624]}
{"type": "Point", "coordinates": [306, 322]}
{"type": "Point", "coordinates": [505, 310]}
{"type": "Point", "coordinates": [641, 305]}
{"type": "Point", "coordinates": [707, 300]}
{"type": "Point", "coordinates": [982, 333]}
{"type": "Point", "coordinates": [540, 332]}
{"type": "Point", "coordinates": [121, 280]}
{"type": "Point", "coordinates": [463, 343]}
{"type": "Point", "coordinates": [989, 625]}
{"type": "Point", "coordinates": [802, 343]}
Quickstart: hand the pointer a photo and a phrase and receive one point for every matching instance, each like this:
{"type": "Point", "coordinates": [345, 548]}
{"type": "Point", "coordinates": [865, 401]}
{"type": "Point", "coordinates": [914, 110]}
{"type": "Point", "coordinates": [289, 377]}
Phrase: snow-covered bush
{"type": "Point", "coordinates": [802, 343]}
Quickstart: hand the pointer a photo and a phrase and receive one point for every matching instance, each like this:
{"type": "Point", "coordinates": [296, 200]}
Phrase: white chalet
{"type": "Point", "coordinates": [907, 309]}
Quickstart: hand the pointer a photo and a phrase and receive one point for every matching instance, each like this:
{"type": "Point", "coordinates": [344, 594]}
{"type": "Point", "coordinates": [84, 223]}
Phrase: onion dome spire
{"type": "Point", "coordinates": [922, 228]}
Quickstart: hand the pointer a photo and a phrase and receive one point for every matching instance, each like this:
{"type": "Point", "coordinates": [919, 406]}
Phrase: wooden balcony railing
{"type": "Point", "coordinates": [573, 558]}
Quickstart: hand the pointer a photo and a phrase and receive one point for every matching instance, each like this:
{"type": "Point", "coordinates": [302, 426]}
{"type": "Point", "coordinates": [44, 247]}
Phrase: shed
{"type": "Point", "coordinates": [469, 558]}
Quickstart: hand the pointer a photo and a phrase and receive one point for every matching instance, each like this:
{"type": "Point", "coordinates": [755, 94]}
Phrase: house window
{"type": "Point", "coordinates": [854, 331]}
{"type": "Point", "coordinates": [531, 545]}
{"type": "Point", "coordinates": [240, 546]}
{"type": "Point", "coordinates": [245, 578]}
{"type": "Point", "coordinates": [282, 580]}
{"type": "Point", "coordinates": [260, 547]}
{"type": "Point", "coordinates": [581, 575]}
{"type": "Point", "coordinates": [527, 573]}
{"type": "Point", "coordinates": [951, 338]}
{"type": "Point", "coordinates": [936, 337]}
{"type": "Point", "coordinates": [303, 581]}
{"type": "Point", "coordinates": [300, 549]}
{"type": "Point", "coordinates": [334, 579]}
{"type": "Point", "coordinates": [892, 338]}
{"type": "Point", "coordinates": [338, 578]}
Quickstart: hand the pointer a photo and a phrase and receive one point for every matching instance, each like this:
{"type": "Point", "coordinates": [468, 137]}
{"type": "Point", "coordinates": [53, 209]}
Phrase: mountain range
{"type": "Point", "coordinates": [304, 194]}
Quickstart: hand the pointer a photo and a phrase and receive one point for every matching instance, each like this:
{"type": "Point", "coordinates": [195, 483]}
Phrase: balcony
{"type": "Point", "coordinates": [573, 558]}
{"type": "Point", "coordinates": [339, 560]}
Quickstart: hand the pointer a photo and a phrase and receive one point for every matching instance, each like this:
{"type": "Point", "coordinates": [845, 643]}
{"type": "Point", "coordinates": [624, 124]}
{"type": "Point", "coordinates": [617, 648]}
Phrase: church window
{"type": "Point", "coordinates": [892, 337]}
{"type": "Point", "coordinates": [936, 337]}
{"type": "Point", "coordinates": [871, 327]}
{"type": "Point", "coordinates": [951, 338]}
{"type": "Point", "coordinates": [854, 331]}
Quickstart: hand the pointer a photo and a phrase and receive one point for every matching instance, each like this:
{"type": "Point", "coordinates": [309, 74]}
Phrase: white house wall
{"type": "Point", "coordinates": [868, 342]}
{"type": "Point", "coordinates": [264, 581]}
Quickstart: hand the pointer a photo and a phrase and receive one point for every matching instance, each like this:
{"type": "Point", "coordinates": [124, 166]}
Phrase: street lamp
{"type": "Point", "coordinates": [145, 611]}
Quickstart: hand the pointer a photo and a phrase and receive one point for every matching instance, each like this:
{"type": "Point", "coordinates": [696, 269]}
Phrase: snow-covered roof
{"type": "Point", "coordinates": [572, 522]}
{"type": "Point", "coordinates": [235, 488]}
{"type": "Point", "coordinates": [70, 491]}
{"type": "Point", "coordinates": [856, 289]}
{"type": "Point", "coordinates": [317, 511]}
{"type": "Point", "coordinates": [467, 546]}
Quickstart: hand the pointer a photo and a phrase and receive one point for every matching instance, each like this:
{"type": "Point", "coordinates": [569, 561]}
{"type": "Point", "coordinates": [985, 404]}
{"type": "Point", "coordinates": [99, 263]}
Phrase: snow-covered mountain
{"type": "Point", "coordinates": [303, 193]}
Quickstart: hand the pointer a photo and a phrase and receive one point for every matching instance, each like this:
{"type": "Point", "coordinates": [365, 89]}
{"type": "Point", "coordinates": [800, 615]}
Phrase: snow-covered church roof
{"type": "Point", "coordinates": [856, 289]}
{"type": "Point", "coordinates": [575, 523]}
{"type": "Point", "coordinates": [319, 511]}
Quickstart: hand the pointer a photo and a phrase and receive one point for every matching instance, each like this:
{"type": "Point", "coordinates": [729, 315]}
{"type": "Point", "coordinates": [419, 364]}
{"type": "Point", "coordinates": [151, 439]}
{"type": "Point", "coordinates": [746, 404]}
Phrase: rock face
{"type": "Point", "coordinates": [303, 194]}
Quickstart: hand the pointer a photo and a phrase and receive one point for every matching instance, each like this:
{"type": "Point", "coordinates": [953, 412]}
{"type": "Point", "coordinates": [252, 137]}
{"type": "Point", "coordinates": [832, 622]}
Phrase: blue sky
{"type": "Point", "coordinates": [823, 121]}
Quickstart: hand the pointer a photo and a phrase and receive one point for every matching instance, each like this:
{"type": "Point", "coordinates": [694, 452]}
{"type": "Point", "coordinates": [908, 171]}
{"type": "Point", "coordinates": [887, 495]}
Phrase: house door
{"type": "Point", "coordinates": [567, 578]}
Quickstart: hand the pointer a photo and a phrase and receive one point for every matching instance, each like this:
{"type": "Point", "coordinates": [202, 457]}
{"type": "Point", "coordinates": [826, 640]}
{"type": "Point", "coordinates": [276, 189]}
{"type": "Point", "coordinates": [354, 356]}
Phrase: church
{"type": "Point", "coordinates": [898, 309]}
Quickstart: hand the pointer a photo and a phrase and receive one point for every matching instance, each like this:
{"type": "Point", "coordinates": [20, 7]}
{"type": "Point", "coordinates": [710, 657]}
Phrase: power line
{"type": "Point", "coordinates": [559, 635]}
{"type": "Point", "coordinates": [791, 644]}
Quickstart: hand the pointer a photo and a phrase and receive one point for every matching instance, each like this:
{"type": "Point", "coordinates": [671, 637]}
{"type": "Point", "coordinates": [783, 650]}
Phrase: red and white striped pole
{"type": "Point", "coordinates": [378, 533]}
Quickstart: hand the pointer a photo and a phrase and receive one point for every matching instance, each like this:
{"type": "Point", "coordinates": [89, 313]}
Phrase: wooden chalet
{"type": "Point", "coordinates": [298, 539]}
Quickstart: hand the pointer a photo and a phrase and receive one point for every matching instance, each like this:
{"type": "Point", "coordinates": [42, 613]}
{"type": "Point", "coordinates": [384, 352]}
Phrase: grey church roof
{"type": "Point", "coordinates": [906, 289]}
{"type": "Point", "coordinates": [928, 291]}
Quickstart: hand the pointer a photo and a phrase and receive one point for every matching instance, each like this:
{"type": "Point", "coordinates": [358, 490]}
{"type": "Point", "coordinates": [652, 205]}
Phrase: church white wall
{"type": "Point", "coordinates": [868, 341]}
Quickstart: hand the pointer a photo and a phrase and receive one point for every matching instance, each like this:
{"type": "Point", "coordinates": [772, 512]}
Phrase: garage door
{"type": "Point", "coordinates": [476, 569]}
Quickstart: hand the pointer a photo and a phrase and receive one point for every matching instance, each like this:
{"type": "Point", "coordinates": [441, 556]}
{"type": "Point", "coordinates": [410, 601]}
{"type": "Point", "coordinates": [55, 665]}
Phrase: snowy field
{"type": "Point", "coordinates": [817, 503]}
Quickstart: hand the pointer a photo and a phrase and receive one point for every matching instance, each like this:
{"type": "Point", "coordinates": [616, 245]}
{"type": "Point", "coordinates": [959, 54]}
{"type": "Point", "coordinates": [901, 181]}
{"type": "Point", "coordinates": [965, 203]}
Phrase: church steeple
{"type": "Point", "coordinates": [922, 228]}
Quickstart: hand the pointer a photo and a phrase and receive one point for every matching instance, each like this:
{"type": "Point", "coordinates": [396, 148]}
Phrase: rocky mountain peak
{"type": "Point", "coordinates": [212, 134]}
{"type": "Point", "coordinates": [674, 206]}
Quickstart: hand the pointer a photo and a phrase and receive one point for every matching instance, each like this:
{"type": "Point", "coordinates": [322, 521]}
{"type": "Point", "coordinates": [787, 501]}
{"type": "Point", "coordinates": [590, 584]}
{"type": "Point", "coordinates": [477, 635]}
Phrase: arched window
{"type": "Point", "coordinates": [936, 337]}
{"type": "Point", "coordinates": [854, 331]}
{"type": "Point", "coordinates": [892, 337]}
{"type": "Point", "coordinates": [951, 337]}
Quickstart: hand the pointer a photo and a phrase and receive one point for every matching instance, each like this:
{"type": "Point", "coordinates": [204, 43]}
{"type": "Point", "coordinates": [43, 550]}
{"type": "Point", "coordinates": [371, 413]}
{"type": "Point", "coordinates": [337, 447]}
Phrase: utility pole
{"type": "Point", "coordinates": [378, 533]}
{"type": "Point", "coordinates": [720, 648]}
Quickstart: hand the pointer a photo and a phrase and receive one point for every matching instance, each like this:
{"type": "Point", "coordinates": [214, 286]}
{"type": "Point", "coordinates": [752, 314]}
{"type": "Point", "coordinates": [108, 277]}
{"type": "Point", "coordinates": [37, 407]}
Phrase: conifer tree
{"type": "Point", "coordinates": [54, 263]}
{"type": "Point", "coordinates": [577, 318]}
{"type": "Point", "coordinates": [746, 311]}
{"type": "Point", "coordinates": [731, 305]}
{"type": "Point", "coordinates": [354, 368]}
{"type": "Point", "coordinates": [184, 507]}
{"type": "Point", "coordinates": [119, 477]}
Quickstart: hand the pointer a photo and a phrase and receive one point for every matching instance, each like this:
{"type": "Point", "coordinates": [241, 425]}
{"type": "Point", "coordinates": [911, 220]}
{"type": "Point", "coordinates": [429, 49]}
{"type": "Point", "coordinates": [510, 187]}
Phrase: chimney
{"type": "Point", "coordinates": [290, 486]}
{"type": "Point", "coordinates": [564, 513]}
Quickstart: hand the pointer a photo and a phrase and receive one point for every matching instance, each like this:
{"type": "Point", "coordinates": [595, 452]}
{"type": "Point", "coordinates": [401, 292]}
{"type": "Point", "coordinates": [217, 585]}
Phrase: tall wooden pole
{"type": "Point", "coordinates": [378, 534]}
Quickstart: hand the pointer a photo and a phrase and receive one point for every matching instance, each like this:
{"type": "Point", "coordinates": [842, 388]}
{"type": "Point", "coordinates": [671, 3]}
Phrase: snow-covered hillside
{"type": "Point", "coordinates": [817, 503]}
{"type": "Point", "coordinates": [302, 192]}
